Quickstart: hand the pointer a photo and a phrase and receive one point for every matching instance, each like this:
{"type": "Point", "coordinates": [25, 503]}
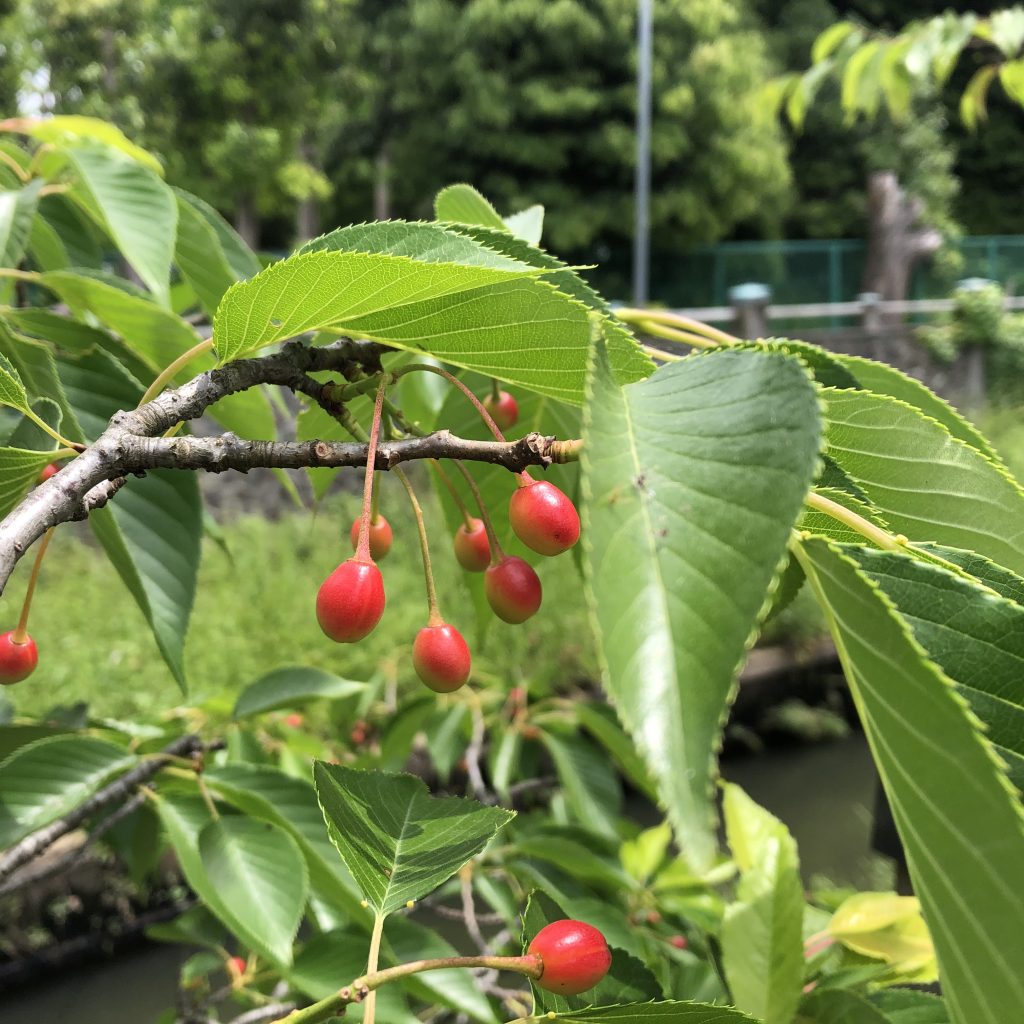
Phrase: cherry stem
{"type": "Point", "coordinates": [375, 500]}
{"type": "Point", "coordinates": [168, 373]}
{"type": "Point", "coordinates": [371, 966]}
{"type": "Point", "coordinates": [363, 547]}
{"type": "Point", "coordinates": [531, 966]}
{"type": "Point", "coordinates": [635, 316]}
{"type": "Point", "coordinates": [434, 617]}
{"type": "Point", "coordinates": [456, 497]}
{"type": "Point", "coordinates": [21, 630]}
{"type": "Point", "coordinates": [492, 538]}
{"type": "Point", "coordinates": [495, 389]}
{"type": "Point", "coordinates": [452, 379]}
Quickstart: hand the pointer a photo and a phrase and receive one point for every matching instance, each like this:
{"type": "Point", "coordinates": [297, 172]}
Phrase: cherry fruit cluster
{"type": "Point", "coordinates": [351, 600]}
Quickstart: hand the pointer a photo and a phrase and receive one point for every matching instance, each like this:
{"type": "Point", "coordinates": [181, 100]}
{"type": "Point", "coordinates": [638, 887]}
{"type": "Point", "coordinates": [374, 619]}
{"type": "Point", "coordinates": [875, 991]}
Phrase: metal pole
{"type": "Point", "coordinates": [642, 201]}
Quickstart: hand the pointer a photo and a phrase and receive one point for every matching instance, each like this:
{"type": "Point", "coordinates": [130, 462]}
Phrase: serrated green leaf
{"type": "Point", "coordinates": [628, 360]}
{"type": "Point", "coordinates": [44, 780]}
{"type": "Point", "coordinates": [973, 107]}
{"type": "Point", "coordinates": [152, 531]}
{"type": "Point", "coordinates": [465, 205]}
{"type": "Point", "coordinates": [902, 1006]}
{"type": "Point", "coordinates": [267, 793]}
{"type": "Point", "coordinates": [883, 379]}
{"type": "Point", "coordinates": [291, 686]}
{"type": "Point", "coordinates": [956, 813]}
{"type": "Point", "coordinates": [199, 256]}
{"type": "Point", "coordinates": [159, 337]}
{"type": "Point", "coordinates": [835, 1006]}
{"type": "Point", "coordinates": [692, 481]}
{"type": "Point", "coordinates": [45, 246]}
{"type": "Point", "coordinates": [260, 874]}
{"type": "Point", "coordinates": [825, 367]}
{"type": "Point", "coordinates": [131, 202]}
{"type": "Point", "coordinates": [243, 261]}
{"type": "Point", "coordinates": [975, 637]}
{"type": "Point", "coordinates": [19, 473]}
{"type": "Point", "coordinates": [12, 390]}
{"type": "Point", "coordinates": [1005, 583]}
{"type": "Point", "coordinates": [399, 842]}
{"type": "Point", "coordinates": [830, 40]}
{"type": "Point", "coordinates": [418, 240]}
{"type": "Point", "coordinates": [17, 213]}
{"type": "Point", "coordinates": [76, 130]}
{"type": "Point", "coordinates": [591, 786]}
{"type": "Point", "coordinates": [929, 485]}
{"type": "Point", "coordinates": [762, 934]}
{"type": "Point", "coordinates": [29, 435]}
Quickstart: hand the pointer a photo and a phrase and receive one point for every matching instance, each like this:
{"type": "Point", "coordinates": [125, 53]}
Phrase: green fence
{"type": "Point", "coordinates": [826, 270]}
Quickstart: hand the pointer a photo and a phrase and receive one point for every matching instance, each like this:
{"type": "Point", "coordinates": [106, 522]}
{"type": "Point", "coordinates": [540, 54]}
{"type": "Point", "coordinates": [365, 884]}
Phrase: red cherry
{"type": "Point", "coordinates": [17, 660]}
{"type": "Point", "coordinates": [350, 601]}
{"type": "Point", "coordinates": [48, 471]}
{"type": "Point", "coordinates": [237, 964]}
{"type": "Point", "coordinates": [512, 589]}
{"type": "Point", "coordinates": [679, 941]}
{"type": "Point", "coordinates": [294, 720]}
{"type": "Point", "coordinates": [441, 658]}
{"type": "Point", "coordinates": [574, 955]}
{"type": "Point", "coordinates": [380, 537]}
{"type": "Point", "coordinates": [653, 917]}
{"type": "Point", "coordinates": [504, 411]}
{"type": "Point", "coordinates": [544, 518]}
{"type": "Point", "coordinates": [472, 548]}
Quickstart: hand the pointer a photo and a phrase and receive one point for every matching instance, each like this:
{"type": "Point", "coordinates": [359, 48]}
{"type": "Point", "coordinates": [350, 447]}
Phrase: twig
{"type": "Point", "coordinates": [34, 844]}
{"type": "Point", "coordinates": [264, 1014]}
{"type": "Point", "coordinates": [31, 875]}
{"type": "Point", "coordinates": [131, 443]}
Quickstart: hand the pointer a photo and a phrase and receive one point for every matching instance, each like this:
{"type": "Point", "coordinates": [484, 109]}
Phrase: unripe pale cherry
{"type": "Point", "coordinates": [544, 518]}
{"type": "Point", "coordinates": [48, 471]}
{"type": "Point", "coordinates": [17, 660]}
{"type": "Point", "coordinates": [512, 589]}
{"type": "Point", "coordinates": [472, 548]}
{"type": "Point", "coordinates": [574, 955]}
{"type": "Point", "coordinates": [504, 410]}
{"type": "Point", "coordinates": [350, 601]}
{"type": "Point", "coordinates": [380, 537]}
{"type": "Point", "coordinates": [441, 657]}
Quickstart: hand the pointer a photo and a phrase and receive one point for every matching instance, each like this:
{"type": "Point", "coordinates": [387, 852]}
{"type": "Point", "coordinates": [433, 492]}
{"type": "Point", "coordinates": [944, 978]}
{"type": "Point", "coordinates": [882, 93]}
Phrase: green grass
{"type": "Point", "coordinates": [254, 613]}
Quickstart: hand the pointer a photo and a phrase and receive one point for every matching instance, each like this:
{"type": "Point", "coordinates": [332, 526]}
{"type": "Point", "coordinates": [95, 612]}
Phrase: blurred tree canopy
{"type": "Point", "coordinates": [269, 107]}
{"type": "Point", "coordinates": [292, 114]}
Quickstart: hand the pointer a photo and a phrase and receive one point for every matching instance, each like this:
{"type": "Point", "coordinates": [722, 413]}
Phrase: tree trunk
{"type": "Point", "coordinates": [896, 240]}
{"type": "Point", "coordinates": [382, 184]}
{"type": "Point", "coordinates": [247, 222]}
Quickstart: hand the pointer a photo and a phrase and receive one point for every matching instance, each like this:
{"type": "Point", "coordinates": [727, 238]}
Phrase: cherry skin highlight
{"type": "Point", "coordinates": [380, 537]}
{"type": "Point", "coordinates": [441, 657]}
{"type": "Point", "coordinates": [472, 548]}
{"type": "Point", "coordinates": [575, 957]}
{"type": "Point", "coordinates": [17, 660]}
{"type": "Point", "coordinates": [504, 411]}
{"type": "Point", "coordinates": [512, 589]}
{"type": "Point", "coordinates": [544, 518]}
{"type": "Point", "coordinates": [350, 601]}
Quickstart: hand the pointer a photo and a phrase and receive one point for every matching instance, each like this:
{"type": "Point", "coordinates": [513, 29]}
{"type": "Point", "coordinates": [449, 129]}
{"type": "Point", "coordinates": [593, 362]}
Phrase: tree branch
{"type": "Point", "coordinates": [131, 443]}
{"type": "Point", "coordinates": [34, 844]}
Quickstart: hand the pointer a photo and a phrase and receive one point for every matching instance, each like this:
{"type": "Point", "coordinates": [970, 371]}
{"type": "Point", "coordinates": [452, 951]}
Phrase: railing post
{"type": "Point", "coordinates": [750, 309]}
{"type": "Point", "coordinates": [870, 312]}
